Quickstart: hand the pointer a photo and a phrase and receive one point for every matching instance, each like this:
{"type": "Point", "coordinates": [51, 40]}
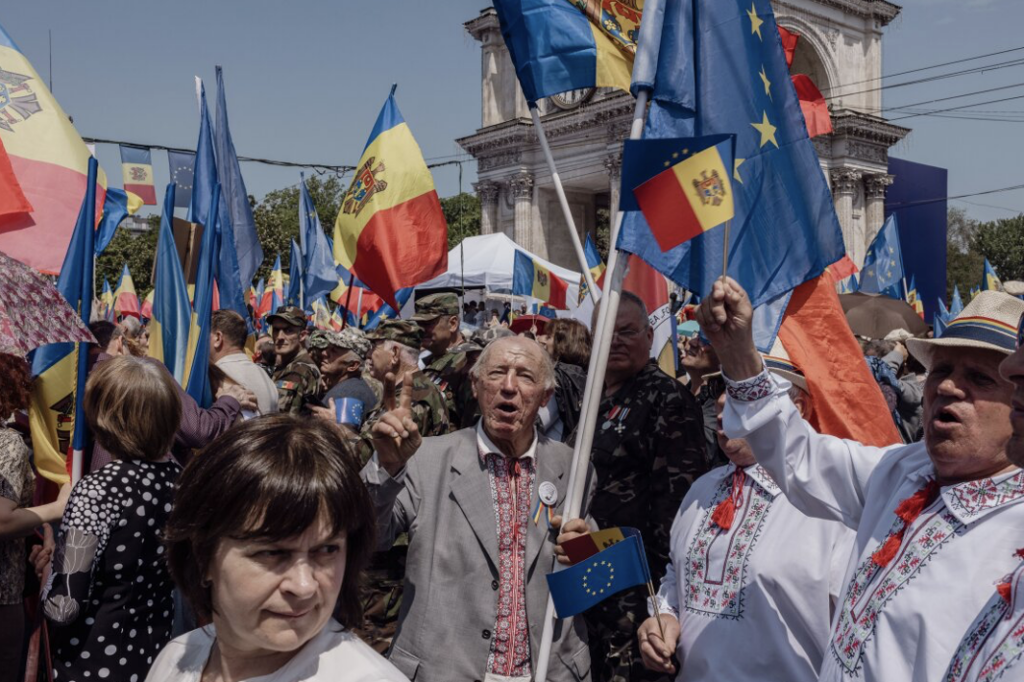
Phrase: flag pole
{"type": "Point", "coordinates": [563, 202]}
{"type": "Point", "coordinates": [725, 250]}
{"type": "Point", "coordinates": [578, 474]}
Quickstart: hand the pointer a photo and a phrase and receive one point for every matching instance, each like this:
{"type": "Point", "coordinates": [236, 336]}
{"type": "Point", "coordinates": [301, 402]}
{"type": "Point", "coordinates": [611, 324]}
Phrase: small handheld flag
{"type": "Point", "coordinates": [990, 280]}
{"type": "Point", "coordinates": [597, 268]}
{"type": "Point", "coordinates": [530, 278]}
{"type": "Point", "coordinates": [599, 576]}
{"type": "Point", "coordinates": [883, 264]}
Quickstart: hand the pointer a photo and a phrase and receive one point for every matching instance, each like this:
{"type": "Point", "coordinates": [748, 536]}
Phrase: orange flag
{"type": "Point", "coordinates": [12, 199]}
{"type": "Point", "coordinates": [847, 401]}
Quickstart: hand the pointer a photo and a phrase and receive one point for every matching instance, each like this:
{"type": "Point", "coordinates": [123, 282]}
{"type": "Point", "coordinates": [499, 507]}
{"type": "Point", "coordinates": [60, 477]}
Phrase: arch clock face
{"type": "Point", "coordinates": [572, 99]}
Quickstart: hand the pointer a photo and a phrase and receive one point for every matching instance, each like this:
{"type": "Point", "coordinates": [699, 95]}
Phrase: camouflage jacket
{"type": "Point", "coordinates": [648, 449]}
{"type": "Point", "coordinates": [296, 381]}
{"type": "Point", "coordinates": [428, 410]}
{"type": "Point", "coordinates": [450, 373]}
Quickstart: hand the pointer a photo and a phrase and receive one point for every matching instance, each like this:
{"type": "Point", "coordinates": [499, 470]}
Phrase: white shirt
{"type": "Point", "coordinates": [753, 602]}
{"type": "Point", "coordinates": [248, 374]}
{"type": "Point", "coordinates": [904, 621]}
{"type": "Point", "coordinates": [334, 655]}
{"type": "Point", "coordinates": [992, 647]}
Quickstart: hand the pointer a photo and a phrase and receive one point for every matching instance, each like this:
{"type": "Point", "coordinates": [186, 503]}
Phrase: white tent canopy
{"type": "Point", "coordinates": [487, 261]}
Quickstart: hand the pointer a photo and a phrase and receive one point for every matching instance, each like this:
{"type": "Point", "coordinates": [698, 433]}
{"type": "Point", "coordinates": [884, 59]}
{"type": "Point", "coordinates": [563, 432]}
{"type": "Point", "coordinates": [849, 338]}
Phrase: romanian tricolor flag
{"type": "Point", "coordinates": [49, 161]}
{"type": "Point", "coordinates": [137, 169]}
{"type": "Point", "coordinates": [596, 266]}
{"type": "Point", "coordinates": [990, 280]}
{"type": "Point", "coordinates": [172, 311]}
{"type": "Point", "coordinates": [693, 192]}
{"type": "Point", "coordinates": [147, 306]}
{"type": "Point", "coordinates": [530, 278]}
{"type": "Point", "coordinates": [126, 301]}
{"type": "Point", "coordinates": [390, 231]}
{"type": "Point", "coordinates": [558, 46]}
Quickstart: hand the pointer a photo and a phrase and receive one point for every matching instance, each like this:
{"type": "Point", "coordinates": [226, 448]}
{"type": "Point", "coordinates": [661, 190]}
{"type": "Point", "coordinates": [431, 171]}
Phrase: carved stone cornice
{"type": "Point", "coordinates": [867, 128]}
{"type": "Point", "coordinates": [880, 10]}
{"type": "Point", "coordinates": [600, 112]}
{"type": "Point", "coordinates": [487, 191]}
{"type": "Point", "coordinates": [482, 24]}
{"type": "Point", "coordinates": [521, 185]}
{"type": "Point", "coordinates": [845, 180]}
{"type": "Point", "coordinates": [613, 164]}
{"type": "Point", "coordinates": [875, 185]}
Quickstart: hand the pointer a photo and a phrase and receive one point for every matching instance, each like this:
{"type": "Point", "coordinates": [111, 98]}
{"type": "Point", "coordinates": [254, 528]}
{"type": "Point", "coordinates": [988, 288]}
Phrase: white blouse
{"type": "Point", "coordinates": [756, 597]}
{"type": "Point", "coordinates": [991, 650]}
{"type": "Point", "coordinates": [903, 621]}
{"type": "Point", "coordinates": [334, 655]}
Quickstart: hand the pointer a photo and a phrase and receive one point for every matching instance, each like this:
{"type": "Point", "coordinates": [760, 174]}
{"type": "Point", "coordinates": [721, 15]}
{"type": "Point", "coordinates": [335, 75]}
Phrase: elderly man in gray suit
{"type": "Point", "coordinates": [476, 505]}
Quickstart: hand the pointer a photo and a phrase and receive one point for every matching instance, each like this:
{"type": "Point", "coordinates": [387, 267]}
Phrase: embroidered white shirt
{"type": "Point", "coordinates": [993, 646]}
{"type": "Point", "coordinates": [904, 621]}
{"type": "Point", "coordinates": [755, 597]}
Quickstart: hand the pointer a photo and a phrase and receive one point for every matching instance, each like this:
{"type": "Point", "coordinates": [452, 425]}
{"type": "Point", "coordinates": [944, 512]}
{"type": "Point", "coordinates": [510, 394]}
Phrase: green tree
{"type": "Point", "coordinates": [1002, 242]}
{"type": "Point", "coordinates": [138, 250]}
{"type": "Point", "coordinates": [462, 213]}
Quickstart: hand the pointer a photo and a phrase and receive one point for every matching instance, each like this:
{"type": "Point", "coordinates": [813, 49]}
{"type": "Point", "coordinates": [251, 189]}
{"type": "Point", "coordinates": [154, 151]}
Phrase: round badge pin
{"type": "Point", "coordinates": [548, 493]}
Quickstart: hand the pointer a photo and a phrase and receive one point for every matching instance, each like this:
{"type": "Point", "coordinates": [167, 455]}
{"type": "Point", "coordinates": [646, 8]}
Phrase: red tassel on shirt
{"type": "Point", "coordinates": [725, 511]}
{"type": "Point", "coordinates": [907, 511]}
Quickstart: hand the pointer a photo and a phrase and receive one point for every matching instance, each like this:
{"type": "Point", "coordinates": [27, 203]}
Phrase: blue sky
{"type": "Point", "coordinates": [306, 79]}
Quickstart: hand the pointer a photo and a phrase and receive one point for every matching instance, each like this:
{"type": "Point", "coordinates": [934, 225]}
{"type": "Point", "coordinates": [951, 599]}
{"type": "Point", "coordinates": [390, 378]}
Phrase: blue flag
{"type": "Point", "coordinates": [577, 588]}
{"type": "Point", "coordinates": [172, 311]}
{"type": "Point", "coordinates": [732, 53]}
{"type": "Point", "coordinates": [956, 306]}
{"type": "Point", "coordinates": [386, 312]}
{"type": "Point", "coordinates": [182, 169]}
{"type": "Point", "coordinates": [115, 210]}
{"type": "Point", "coordinates": [321, 277]}
{"type": "Point", "coordinates": [240, 226]}
{"type": "Point", "coordinates": [197, 383]}
{"type": "Point", "coordinates": [294, 295]}
{"type": "Point", "coordinates": [883, 264]}
{"type": "Point", "coordinates": [229, 282]}
{"type": "Point", "coordinates": [990, 280]}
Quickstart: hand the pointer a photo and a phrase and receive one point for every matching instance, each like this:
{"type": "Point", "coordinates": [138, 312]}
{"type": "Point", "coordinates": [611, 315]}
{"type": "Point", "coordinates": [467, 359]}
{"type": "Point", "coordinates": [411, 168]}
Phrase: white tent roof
{"type": "Point", "coordinates": [487, 261]}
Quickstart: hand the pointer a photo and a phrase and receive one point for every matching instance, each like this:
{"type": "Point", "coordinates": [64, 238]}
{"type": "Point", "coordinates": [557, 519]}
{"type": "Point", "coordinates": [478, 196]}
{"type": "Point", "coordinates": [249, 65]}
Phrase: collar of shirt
{"type": "Point", "coordinates": [485, 445]}
{"type": "Point", "coordinates": [972, 500]}
{"type": "Point", "coordinates": [759, 475]}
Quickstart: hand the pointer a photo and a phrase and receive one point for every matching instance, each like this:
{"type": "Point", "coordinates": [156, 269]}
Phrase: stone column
{"type": "Point", "coordinates": [875, 187]}
{"type": "Point", "coordinates": [613, 164]}
{"type": "Point", "coordinates": [521, 187]}
{"type": "Point", "coordinates": [844, 188]}
{"type": "Point", "coordinates": [488, 192]}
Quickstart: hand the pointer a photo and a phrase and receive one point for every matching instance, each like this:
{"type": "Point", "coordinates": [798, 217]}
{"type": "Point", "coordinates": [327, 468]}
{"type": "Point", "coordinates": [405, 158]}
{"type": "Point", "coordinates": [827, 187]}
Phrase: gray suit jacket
{"type": "Point", "coordinates": [449, 606]}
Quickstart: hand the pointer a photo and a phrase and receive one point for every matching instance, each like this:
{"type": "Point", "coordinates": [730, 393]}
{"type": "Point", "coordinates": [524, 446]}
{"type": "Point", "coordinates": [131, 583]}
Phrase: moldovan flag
{"type": "Point", "coordinates": [276, 286]}
{"type": "Point", "coordinates": [390, 231]}
{"type": "Point", "coordinates": [693, 194]}
{"type": "Point", "coordinates": [530, 278]}
{"type": "Point", "coordinates": [12, 199]}
{"type": "Point", "coordinates": [126, 301]}
{"type": "Point", "coordinates": [652, 287]}
{"type": "Point", "coordinates": [596, 267]}
{"type": "Point", "coordinates": [49, 161]}
{"type": "Point", "coordinates": [172, 311]}
{"type": "Point", "coordinates": [107, 301]}
{"type": "Point", "coordinates": [990, 280]}
{"type": "Point", "coordinates": [137, 169]}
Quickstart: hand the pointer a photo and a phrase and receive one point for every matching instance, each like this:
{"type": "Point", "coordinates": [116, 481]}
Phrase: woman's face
{"type": "Point", "coordinates": [275, 597]}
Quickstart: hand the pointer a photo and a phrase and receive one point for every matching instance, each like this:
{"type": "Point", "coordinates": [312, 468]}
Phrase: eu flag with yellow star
{"type": "Point", "coordinates": [785, 230]}
{"type": "Point", "coordinates": [599, 576]}
{"type": "Point", "coordinates": [883, 264]}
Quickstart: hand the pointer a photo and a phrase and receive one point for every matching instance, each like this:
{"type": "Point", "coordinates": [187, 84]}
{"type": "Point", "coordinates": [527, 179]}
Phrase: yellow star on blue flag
{"type": "Point", "coordinates": [577, 588]}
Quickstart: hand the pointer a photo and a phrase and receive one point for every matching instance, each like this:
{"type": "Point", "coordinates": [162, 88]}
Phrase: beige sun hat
{"type": "Point", "coordinates": [990, 321]}
{"type": "Point", "coordinates": [777, 361]}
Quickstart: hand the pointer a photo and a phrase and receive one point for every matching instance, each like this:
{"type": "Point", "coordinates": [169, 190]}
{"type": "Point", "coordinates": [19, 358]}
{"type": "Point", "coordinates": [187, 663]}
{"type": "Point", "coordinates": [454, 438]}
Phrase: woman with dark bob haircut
{"type": "Point", "coordinates": [270, 530]}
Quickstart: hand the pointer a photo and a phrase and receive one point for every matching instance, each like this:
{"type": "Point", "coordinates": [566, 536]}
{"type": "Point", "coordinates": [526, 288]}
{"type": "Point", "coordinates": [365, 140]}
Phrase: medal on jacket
{"type": "Point", "coordinates": [616, 417]}
{"type": "Point", "coordinates": [547, 496]}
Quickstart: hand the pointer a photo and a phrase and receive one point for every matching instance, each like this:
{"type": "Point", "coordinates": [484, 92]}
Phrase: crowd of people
{"type": "Point", "coordinates": [386, 505]}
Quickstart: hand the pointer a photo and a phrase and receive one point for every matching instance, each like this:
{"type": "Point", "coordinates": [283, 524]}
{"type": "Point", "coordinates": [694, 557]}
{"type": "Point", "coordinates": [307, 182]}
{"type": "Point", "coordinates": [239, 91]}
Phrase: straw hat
{"type": "Point", "coordinates": [1014, 288]}
{"type": "Point", "coordinates": [777, 361]}
{"type": "Point", "coordinates": [988, 322]}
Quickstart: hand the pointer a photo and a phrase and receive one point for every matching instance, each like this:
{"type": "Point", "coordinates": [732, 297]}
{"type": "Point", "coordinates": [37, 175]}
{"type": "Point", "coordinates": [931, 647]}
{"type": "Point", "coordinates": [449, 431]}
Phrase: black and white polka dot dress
{"type": "Point", "coordinates": [109, 599]}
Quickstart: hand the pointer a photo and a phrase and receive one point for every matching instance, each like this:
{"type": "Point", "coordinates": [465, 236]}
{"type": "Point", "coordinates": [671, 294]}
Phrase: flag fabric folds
{"type": "Point", "coordinates": [990, 280]}
{"type": "Point", "coordinates": [680, 184]}
{"type": "Point", "coordinates": [294, 296]}
{"type": "Point", "coordinates": [883, 264]}
{"type": "Point", "coordinates": [126, 301]}
{"type": "Point", "coordinates": [49, 161]}
{"type": "Point", "coordinates": [391, 232]}
{"type": "Point", "coordinates": [56, 418]}
{"type": "Point", "coordinates": [240, 225]}
{"type": "Point", "coordinates": [914, 299]}
{"type": "Point", "coordinates": [956, 304]}
{"type": "Point", "coordinates": [172, 311]}
{"type": "Point", "coordinates": [107, 302]}
{"type": "Point", "coordinates": [276, 286]}
{"type": "Point", "coordinates": [12, 199]}
{"type": "Point", "coordinates": [116, 208]}
{"type": "Point", "coordinates": [720, 69]}
{"type": "Point", "coordinates": [651, 287]}
{"type": "Point", "coordinates": [317, 259]}
{"type": "Point", "coordinates": [579, 587]}
{"type": "Point", "coordinates": [557, 46]}
{"type": "Point", "coordinates": [137, 173]}
{"type": "Point", "coordinates": [530, 278]}
{"type": "Point", "coordinates": [182, 170]}
{"type": "Point", "coordinates": [596, 267]}
{"type": "Point", "coordinates": [197, 376]}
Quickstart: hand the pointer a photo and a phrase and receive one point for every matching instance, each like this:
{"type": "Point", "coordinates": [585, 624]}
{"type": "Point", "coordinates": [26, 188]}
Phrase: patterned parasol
{"type": "Point", "coordinates": [32, 311]}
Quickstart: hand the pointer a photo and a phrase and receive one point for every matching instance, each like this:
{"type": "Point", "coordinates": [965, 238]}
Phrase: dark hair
{"type": "Point", "coordinates": [15, 384]}
{"type": "Point", "coordinates": [231, 325]}
{"type": "Point", "coordinates": [879, 348]}
{"type": "Point", "coordinates": [132, 407]}
{"type": "Point", "coordinates": [103, 331]}
{"type": "Point", "coordinates": [269, 478]}
{"type": "Point", "coordinates": [569, 342]}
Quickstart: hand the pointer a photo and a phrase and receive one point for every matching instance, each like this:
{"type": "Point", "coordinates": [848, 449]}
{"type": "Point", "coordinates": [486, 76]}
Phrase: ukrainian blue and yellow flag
{"type": "Point", "coordinates": [197, 377]}
{"type": "Point", "coordinates": [557, 46]}
{"type": "Point", "coordinates": [596, 267]}
{"type": "Point", "coordinates": [391, 232]}
{"type": "Point", "coordinates": [56, 418]}
{"type": "Point", "coordinates": [990, 280]}
{"type": "Point", "coordinates": [607, 562]}
{"type": "Point", "coordinates": [172, 311]}
{"type": "Point", "coordinates": [530, 278]}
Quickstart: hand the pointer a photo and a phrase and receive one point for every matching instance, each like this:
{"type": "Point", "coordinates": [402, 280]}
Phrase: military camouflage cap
{"type": "Point", "coordinates": [319, 339]}
{"type": "Point", "coordinates": [290, 315]}
{"type": "Point", "coordinates": [405, 332]}
{"type": "Point", "coordinates": [351, 339]}
{"type": "Point", "coordinates": [435, 305]}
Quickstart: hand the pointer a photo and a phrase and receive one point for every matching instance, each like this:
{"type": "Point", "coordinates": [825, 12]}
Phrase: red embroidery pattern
{"type": "Point", "coordinates": [751, 389]}
{"type": "Point", "coordinates": [974, 497]}
{"type": "Point", "coordinates": [993, 644]}
{"type": "Point", "coordinates": [512, 490]}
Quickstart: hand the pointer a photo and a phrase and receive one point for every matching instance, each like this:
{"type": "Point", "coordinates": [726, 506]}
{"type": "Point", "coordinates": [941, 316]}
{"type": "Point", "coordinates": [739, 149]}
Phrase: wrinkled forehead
{"type": "Point", "coordinates": [967, 358]}
{"type": "Point", "coordinates": [514, 352]}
